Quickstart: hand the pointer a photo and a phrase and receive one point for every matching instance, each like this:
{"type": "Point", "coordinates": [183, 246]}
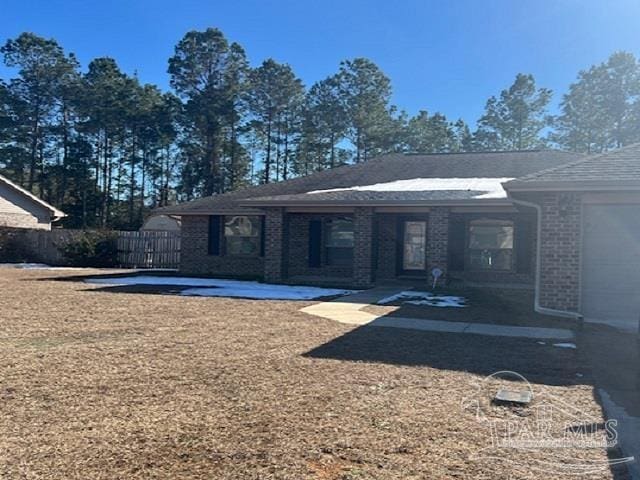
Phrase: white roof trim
{"type": "Point", "coordinates": [55, 212]}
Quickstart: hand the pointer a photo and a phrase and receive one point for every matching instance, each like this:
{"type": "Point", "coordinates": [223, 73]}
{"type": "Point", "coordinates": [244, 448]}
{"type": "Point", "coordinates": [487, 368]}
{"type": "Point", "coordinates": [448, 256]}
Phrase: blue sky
{"type": "Point", "coordinates": [447, 56]}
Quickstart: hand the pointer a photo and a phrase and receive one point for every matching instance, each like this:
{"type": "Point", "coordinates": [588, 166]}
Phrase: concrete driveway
{"type": "Point", "coordinates": [614, 357]}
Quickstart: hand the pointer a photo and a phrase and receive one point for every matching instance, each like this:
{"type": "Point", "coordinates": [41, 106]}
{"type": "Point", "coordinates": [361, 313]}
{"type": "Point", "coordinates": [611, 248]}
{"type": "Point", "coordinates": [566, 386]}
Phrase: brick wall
{"type": "Point", "coordinates": [438, 240]}
{"type": "Point", "coordinates": [287, 250]}
{"type": "Point", "coordinates": [363, 247]}
{"type": "Point", "coordinates": [299, 249]}
{"type": "Point", "coordinates": [560, 251]}
{"type": "Point", "coordinates": [275, 248]}
{"type": "Point", "coordinates": [195, 259]}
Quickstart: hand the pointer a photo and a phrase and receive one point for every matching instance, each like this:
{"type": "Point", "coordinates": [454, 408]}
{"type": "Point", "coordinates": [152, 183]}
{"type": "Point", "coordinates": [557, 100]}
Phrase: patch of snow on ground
{"type": "Point", "coordinates": [565, 345]}
{"type": "Point", "coordinates": [33, 266]}
{"type": "Point", "coordinates": [492, 186]}
{"type": "Point", "coordinates": [25, 266]}
{"type": "Point", "coordinates": [214, 287]}
{"type": "Point", "coordinates": [425, 298]}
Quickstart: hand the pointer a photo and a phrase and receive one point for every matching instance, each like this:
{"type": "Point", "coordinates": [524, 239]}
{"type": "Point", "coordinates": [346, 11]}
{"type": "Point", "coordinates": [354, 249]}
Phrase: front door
{"type": "Point", "coordinates": [414, 246]}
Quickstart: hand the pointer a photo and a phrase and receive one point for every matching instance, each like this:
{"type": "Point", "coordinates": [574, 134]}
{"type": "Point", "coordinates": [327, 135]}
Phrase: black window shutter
{"type": "Point", "coordinates": [524, 245]}
{"type": "Point", "coordinates": [315, 243]}
{"type": "Point", "coordinates": [214, 234]}
{"type": "Point", "coordinates": [457, 243]}
{"type": "Point", "coordinates": [262, 235]}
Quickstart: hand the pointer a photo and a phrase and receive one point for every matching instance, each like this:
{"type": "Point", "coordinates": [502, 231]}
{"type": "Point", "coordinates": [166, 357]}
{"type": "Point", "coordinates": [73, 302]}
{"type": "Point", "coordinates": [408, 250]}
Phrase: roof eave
{"type": "Point", "coordinates": [377, 203]}
{"type": "Point", "coordinates": [211, 211]}
{"type": "Point", "coordinates": [55, 213]}
{"type": "Point", "coordinates": [590, 185]}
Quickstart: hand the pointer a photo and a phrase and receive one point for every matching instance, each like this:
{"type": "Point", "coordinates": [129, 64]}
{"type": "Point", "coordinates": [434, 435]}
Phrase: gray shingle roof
{"type": "Point", "coordinates": [354, 196]}
{"type": "Point", "coordinates": [621, 166]}
{"type": "Point", "coordinates": [388, 168]}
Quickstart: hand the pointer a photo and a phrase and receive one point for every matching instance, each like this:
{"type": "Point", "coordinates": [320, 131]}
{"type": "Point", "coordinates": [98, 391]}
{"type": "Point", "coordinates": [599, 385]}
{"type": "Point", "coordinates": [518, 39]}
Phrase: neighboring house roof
{"type": "Point", "coordinates": [616, 169]}
{"type": "Point", "coordinates": [437, 178]}
{"type": "Point", "coordinates": [161, 223]}
{"type": "Point", "coordinates": [55, 213]}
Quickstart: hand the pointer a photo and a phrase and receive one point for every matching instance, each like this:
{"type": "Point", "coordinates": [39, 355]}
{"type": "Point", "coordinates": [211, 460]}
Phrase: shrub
{"type": "Point", "coordinates": [92, 248]}
{"type": "Point", "coordinates": [13, 246]}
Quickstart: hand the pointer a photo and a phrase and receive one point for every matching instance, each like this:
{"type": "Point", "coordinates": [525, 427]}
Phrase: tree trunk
{"type": "Point", "coordinates": [278, 141]}
{"type": "Point", "coordinates": [65, 155]}
{"type": "Point", "coordinates": [132, 186]}
{"type": "Point", "coordinates": [267, 162]}
{"type": "Point", "coordinates": [285, 161]}
{"type": "Point", "coordinates": [332, 154]}
{"type": "Point", "coordinates": [105, 181]}
{"type": "Point", "coordinates": [232, 166]}
{"type": "Point", "coordinates": [33, 154]}
{"type": "Point", "coordinates": [143, 180]}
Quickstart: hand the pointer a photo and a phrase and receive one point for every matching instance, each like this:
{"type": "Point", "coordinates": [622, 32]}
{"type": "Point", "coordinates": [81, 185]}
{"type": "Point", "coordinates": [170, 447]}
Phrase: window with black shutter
{"type": "Point", "coordinates": [315, 243]}
{"type": "Point", "coordinates": [490, 245]}
{"type": "Point", "coordinates": [457, 244]}
{"type": "Point", "coordinates": [524, 245]}
{"type": "Point", "coordinates": [214, 235]}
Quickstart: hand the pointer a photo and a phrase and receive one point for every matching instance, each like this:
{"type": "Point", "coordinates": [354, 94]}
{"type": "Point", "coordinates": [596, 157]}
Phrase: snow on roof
{"type": "Point", "coordinates": [491, 186]}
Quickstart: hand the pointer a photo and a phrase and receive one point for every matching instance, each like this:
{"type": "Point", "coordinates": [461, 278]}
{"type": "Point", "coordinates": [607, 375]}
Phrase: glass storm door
{"type": "Point", "coordinates": [414, 251]}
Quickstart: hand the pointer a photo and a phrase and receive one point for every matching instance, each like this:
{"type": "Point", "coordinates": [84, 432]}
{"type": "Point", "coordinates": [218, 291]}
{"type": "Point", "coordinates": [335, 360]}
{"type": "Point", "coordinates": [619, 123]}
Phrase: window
{"type": "Point", "coordinates": [491, 245]}
{"type": "Point", "coordinates": [339, 241]}
{"type": "Point", "coordinates": [242, 235]}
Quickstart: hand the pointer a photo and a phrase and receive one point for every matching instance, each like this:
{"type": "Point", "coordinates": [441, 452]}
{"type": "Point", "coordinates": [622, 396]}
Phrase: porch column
{"type": "Point", "coordinates": [438, 240]}
{"type": "Point", "coordinates": [363, 247]}
{"type": "Point", "coordinates": [274, 245]}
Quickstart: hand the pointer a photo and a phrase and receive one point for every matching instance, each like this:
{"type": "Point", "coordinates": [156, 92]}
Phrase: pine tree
{"type": "Point", "coordinates": [516, 119]}
{"type": "Point", "coordinates": [206, 72]}
{"type": "Point", "coordinates": [43, 68]}
{"type": "Point", "coordinates": [601, 109]}
{"type": "Point", "coordinates": [430, 134]}
{"type": "Point", "coordinates": [365, 92]}
{"type": "Point", "coordinates": [275, 100]}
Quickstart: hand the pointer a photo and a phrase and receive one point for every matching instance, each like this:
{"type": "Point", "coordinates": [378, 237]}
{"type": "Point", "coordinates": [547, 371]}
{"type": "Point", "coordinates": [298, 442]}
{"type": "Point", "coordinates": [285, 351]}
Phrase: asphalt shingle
{"type": "Point", "coordinates": [621, 165]}
{"type": "Point", "coordinates": [388, 168]}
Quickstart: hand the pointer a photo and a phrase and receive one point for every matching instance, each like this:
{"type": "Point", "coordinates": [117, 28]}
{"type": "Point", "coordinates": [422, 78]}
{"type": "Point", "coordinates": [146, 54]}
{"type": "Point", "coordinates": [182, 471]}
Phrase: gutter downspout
{"type": "Point", "coordinates": [536, 303]}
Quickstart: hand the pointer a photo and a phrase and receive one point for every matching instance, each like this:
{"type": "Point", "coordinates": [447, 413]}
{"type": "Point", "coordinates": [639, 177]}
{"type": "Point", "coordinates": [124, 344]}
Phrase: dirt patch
{"type": "Point", "coordinates": [107, 385]}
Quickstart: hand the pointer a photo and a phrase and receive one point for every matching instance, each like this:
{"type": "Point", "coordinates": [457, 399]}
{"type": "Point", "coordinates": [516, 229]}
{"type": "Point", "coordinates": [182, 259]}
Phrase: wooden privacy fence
{"type": "Point", "coordinates": [149, 249]}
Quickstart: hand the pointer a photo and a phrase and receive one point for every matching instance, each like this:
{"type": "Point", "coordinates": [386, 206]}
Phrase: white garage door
{"type": "Point", "coordinates": [611, 264]}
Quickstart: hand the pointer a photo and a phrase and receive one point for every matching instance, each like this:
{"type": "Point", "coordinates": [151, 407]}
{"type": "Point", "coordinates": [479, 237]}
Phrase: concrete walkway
{"type": "Point", "coordinates": [348, 310]}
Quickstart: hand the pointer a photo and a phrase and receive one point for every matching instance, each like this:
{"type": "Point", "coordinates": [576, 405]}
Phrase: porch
{"type": "Point", "coordinates": [364, 246]}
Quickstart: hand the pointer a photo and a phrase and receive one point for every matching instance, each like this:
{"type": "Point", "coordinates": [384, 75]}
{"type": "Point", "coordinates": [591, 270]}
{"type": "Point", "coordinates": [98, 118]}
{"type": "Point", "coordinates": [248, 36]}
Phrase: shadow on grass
{"type": "Point", "coordinates": [478, 354]}
{"type": "Point", "coordinates": [481, 355]}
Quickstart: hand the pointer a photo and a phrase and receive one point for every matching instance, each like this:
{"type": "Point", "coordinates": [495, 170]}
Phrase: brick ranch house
{"type": "Point", "coordinates": [21, 209]}
{"type": "Point", "coordinates": [563, 223]}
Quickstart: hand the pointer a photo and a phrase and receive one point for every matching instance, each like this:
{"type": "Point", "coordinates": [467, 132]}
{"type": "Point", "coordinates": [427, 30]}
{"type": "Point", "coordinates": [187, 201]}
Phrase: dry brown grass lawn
{"type": "Point", "coordinates": [105, 385]}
